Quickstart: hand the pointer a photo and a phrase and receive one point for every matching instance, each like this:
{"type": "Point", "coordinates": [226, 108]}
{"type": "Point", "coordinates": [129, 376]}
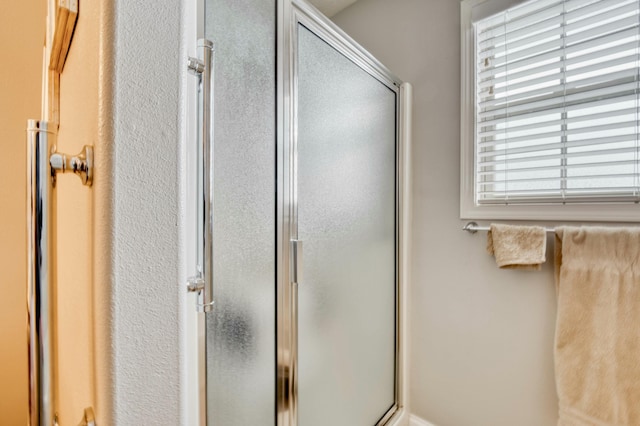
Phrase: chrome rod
{"type": "Point", "coordinates": [473, 227]}
{"type": "Point", "coordinates": [206, 302]}
{"type": "Point", "coordinates": [41, 274]}
{"type": "Point", "coordinates": [203, 283]}
{"type": "Point", "coordinates": [43, 164]}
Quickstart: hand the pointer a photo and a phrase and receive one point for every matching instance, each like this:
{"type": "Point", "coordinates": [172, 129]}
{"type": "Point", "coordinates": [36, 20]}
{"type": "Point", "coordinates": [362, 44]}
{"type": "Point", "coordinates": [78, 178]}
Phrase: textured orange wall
{"type": "Point", "coordinates": [78, 127]}
{"type": "Point", "coordinates": [22, 28]}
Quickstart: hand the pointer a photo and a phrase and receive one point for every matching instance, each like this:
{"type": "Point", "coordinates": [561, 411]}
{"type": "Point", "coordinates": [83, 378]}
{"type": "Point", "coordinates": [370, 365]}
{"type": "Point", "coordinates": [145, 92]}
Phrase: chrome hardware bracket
{"type": "Point", "coordinates": [202, 284]}
{"type": "Point", "coordinates": [195, 66]}
{"type": "Point", "coordinates": [81, 164]}
{"type": "Point", "coordinates": [470, 227]}
{"type": "Point", "coordinates": [195, 284]}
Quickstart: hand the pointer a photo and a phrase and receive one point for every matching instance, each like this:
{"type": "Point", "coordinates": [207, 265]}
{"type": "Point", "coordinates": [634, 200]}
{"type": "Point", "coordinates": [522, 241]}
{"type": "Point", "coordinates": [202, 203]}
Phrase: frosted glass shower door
{"type": "Point", "coordinates": [240, 330]}
{"type": "Point", "coordinates": [305, 147]}
{"type": "Point", "coordinates": [346, 218]}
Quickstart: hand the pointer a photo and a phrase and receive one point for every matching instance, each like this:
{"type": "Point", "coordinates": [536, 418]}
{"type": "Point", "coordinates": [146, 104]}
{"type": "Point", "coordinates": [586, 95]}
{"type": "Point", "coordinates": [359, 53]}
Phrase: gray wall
{"type": "Point", "coordinates": [482, 338]}
{"type": "Point", "coordinates": [138, 274]}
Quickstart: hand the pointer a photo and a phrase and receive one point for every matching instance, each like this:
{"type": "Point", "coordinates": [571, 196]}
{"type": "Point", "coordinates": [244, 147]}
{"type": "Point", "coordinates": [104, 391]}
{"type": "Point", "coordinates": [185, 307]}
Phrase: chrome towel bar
{"type": "Point", "coordinates": [473, 227]}
{"type": "Point", "coordinates": [42, 166]}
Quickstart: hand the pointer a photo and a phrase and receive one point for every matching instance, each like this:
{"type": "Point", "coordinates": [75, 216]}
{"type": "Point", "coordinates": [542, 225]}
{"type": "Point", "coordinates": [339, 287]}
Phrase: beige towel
{"type": "Point", "coordinates": [597, 347]}
{"type": "Point", "coordinates": [517, 247]}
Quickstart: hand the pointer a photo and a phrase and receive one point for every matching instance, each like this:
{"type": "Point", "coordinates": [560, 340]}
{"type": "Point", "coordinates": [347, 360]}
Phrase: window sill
{"type": "Point", "coordinates": [555, 212]}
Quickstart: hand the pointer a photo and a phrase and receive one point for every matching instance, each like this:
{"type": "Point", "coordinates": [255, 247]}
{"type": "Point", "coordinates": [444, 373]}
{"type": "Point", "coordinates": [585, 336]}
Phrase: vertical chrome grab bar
{"type": "Point", "coordinates": [203, 282]}
{"type": "Point", "coordinates": [40, 291]}
{"type": "Point", "coordinates": [43, 163]}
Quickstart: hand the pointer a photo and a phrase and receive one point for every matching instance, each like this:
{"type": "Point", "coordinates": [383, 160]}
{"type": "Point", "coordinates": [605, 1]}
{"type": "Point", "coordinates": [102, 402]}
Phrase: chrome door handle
{"type": "Point", "coordinates": [203, 282]}
{"type": "Point", "coordinates": [296, 261]}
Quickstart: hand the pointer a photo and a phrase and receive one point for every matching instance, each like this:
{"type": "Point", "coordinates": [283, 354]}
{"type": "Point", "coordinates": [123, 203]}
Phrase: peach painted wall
{"type": "Point", "coordinates": [78, 127]}
{"type": "Point", "coordinates": [22, 27]}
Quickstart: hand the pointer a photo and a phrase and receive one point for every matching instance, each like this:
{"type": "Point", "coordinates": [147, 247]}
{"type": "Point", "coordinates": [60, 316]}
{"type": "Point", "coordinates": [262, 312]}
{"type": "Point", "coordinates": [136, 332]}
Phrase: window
{"type": "Point", "coordinates": [551, 110]}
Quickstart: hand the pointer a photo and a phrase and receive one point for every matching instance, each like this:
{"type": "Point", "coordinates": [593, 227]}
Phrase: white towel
{"type": "Point", "coordinates": [517, 247]}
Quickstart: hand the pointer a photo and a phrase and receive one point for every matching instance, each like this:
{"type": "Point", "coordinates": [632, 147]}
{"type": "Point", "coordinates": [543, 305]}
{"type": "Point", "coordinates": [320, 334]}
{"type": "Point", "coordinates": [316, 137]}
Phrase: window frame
{"type": "Point", "coordinates": [469, 209]}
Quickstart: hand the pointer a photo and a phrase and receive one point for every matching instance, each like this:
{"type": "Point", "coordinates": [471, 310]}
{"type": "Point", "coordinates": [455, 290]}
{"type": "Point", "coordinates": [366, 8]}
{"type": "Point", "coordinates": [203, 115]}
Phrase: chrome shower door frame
{"type": "Point", "coordinates": [290, 15]}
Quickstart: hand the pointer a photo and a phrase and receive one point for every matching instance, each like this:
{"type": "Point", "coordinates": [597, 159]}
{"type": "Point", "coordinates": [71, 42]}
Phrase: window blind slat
{"type": "Point", "coordinates": [566, 132]}
{"type": "Point", "coordinates": [612, 90]}
{"type": "Point", "coordinates": [556, 179]}
{"type": "Point", "coordinates": [605, 102]}
{"type": "Point", "coordinates": [554, 146]}
{"type": "Point", "coordinates": [525, 169]}
{"type": "Point", "coordinates": [610, 79]}
{"type": "Point", "coordinates": [630, 189]}
{"type": "Point", "coordinates": [629, 61]}
{"type": "Point", "coordinates": [549, 123]}
{"type": "Point", "coordinates": [557, 156]}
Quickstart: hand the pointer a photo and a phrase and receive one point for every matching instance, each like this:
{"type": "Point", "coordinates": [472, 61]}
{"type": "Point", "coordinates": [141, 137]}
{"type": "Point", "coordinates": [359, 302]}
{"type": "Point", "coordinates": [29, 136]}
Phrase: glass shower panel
{"type": "Point", "coordinates": [241, 328]}
{"type": "Point", "coordinates": [346, 218]}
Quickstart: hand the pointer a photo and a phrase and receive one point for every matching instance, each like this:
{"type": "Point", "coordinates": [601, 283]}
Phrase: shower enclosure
{"type": "Point", "coordinates": [299, 222]}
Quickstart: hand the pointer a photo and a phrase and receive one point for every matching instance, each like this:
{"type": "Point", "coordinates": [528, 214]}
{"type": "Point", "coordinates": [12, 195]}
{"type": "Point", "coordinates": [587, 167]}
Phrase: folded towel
{"type": "Point", "coordinates": [597, 344]}
{"type": "Point", "coordinates": [517, 247]}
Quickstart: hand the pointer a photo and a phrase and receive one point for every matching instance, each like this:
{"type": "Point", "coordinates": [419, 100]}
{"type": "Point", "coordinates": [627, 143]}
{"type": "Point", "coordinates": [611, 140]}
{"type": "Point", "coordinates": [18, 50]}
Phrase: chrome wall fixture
{"type": "Point", "coordinates": [44, 163]}
{"type": "Point", "coordinates": [473, 227]}
{"type": "Point", "coordinates": [203, 282]}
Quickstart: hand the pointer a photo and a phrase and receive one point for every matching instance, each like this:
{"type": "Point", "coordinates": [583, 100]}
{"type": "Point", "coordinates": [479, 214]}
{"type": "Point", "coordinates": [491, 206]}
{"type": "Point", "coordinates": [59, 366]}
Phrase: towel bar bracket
{"type": "Point", "coordinates": [81, 164]}
{"type": "Point", "coordinates": [88, 419]}
{"type": "Point", "coordinates": [471, 227]}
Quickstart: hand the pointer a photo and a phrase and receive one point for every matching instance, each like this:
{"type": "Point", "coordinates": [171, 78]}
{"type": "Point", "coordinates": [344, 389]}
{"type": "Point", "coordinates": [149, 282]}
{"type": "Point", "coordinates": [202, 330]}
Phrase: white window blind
{"type": "Point", "coordinates": [557, 103]}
